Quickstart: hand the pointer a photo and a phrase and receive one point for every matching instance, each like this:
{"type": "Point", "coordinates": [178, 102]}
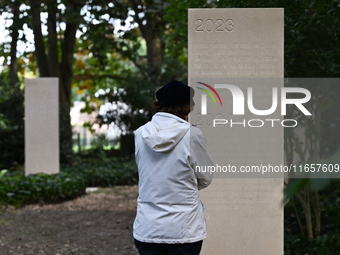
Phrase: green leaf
{"type": "Point", "coordinates": [3, 172]}
{"type": "Point", "coordinates": [294, 187]}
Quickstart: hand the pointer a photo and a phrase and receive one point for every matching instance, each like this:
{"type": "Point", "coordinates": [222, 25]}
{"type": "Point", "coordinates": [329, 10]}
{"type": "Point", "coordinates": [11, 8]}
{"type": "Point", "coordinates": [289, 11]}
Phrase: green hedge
{"type": "Point", "coordinates": [326, 244]}
{"type": "Point", "coordinates": [71, 182]}
{"type": "Point", "coordinates": [106, 173]}
{"type": "Point", "coordinates": [40, 188]}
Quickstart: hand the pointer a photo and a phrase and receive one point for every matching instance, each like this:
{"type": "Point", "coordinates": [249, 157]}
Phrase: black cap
{"type": "Point", "coordinates": [175, 92]}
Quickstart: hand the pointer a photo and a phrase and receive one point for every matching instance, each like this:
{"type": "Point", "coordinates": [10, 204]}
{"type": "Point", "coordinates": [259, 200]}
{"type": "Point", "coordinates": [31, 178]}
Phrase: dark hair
{"type": "Point", "coordinates": [180, 110]}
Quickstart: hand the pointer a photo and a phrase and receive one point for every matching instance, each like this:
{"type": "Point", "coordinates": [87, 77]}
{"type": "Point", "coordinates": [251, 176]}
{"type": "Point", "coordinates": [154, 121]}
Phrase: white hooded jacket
{"type": "Point", "coordinates": [169, 210]}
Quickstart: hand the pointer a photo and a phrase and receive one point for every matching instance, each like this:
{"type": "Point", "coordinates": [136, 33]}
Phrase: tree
{"type": "Point", "coordinates": [11, 96]}
{"type": "Point", "coordinates": [50, 64]}
{"type": "Point", "coordinates": [54, 53]}
{"type": "Point", "coordinates": [135, 64]}
{"type": "Point", "coordinates": [312, 50]}
{"type": "Point", "coordinates": [9, 6]}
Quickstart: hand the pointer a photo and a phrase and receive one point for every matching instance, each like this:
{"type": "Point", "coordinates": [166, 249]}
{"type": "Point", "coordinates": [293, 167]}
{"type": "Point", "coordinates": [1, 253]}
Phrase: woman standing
{"type": "Point", "coordinates": [170, 216]}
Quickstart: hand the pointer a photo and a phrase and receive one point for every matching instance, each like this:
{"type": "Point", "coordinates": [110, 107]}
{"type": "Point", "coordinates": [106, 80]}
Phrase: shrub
{"type": "Point", "coordinates": [40, 188]}
{"type": "Point", "coordinates": [18, 190]}
{"type": "Point", "coordinates": [11, 124]}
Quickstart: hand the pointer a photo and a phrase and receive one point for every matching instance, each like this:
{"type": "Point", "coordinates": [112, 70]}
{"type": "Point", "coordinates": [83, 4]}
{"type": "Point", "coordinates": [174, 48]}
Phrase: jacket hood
{"type": "Point", "coordinates": [164, 131]}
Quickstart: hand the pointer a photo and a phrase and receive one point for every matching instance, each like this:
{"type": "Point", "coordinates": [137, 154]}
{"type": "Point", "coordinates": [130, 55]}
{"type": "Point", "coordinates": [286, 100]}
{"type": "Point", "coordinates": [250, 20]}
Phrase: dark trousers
{"type": "Point", "coordinates": [168, 249]}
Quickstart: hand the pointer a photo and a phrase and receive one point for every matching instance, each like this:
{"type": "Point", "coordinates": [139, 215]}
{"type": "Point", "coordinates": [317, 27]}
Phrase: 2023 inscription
{"type": "Point", "coordinates": [218, 25]}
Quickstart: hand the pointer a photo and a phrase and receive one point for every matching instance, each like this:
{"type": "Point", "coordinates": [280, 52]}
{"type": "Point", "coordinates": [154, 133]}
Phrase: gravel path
{"type": "Point", "coordinates": [97, 223]}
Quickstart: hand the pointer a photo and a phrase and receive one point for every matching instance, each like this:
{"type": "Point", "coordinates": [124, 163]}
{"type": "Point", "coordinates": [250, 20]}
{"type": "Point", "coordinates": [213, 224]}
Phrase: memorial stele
{"type": "Point", "coordinates": [41, 126]}
{"type": "Point", "coordinates": [244, 215]}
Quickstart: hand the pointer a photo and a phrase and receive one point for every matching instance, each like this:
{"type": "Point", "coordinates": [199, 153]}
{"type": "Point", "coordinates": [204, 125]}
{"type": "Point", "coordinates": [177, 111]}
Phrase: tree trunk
{"type": "Point", "coordinates": [317, 211]}
{"type": "Point", "coordinates": [65, 81]}
{"type": "Point", "coordinates": [38, 39]}
{"type": "Point", "coordinates": [305, 203]}
{"type": "Point", "coordinates": [66, 66]}
{"type": "Point", "coordinates": [298, 219]}
{"type": "Point", "coordinates": [151, 31]}
{"type": "Point", "coordinates": [155, 52]}
{"type": "Point", "coordinates": [308, 215]}
{"type": "Point", "coordinates": [52, 43]}
{"type": "Point", "coordinates": [13, 68]}
{"type": "Point", "coordinates": [49, 64]}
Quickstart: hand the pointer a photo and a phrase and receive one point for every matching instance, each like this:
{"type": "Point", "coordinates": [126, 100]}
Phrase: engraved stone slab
{"type": "Point", "coordinates": [245, 214]}
{"type": "Point", "coordinates": [41, 126]}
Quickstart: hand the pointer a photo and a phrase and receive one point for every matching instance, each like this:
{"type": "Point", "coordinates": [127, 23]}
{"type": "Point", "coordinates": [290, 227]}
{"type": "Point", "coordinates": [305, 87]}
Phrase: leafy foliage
{"type": "Point", "coordinates": [108, 174]}
{"type": "Point", "coordinates": [11, 124]}
{"type": "Point", "coordinates": [40, 188]}
{"type": "Point", "coordinates": [18, 190]}
{"type": "Point", "coordinates": [328, 241]}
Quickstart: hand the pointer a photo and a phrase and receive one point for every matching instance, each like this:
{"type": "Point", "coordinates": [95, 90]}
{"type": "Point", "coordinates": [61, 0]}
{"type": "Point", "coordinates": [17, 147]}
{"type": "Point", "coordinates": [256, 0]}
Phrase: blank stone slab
{"type": "Point", "coordinates": [245, 214]}
{"type": "Point", "coordinates": [41, 126]}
